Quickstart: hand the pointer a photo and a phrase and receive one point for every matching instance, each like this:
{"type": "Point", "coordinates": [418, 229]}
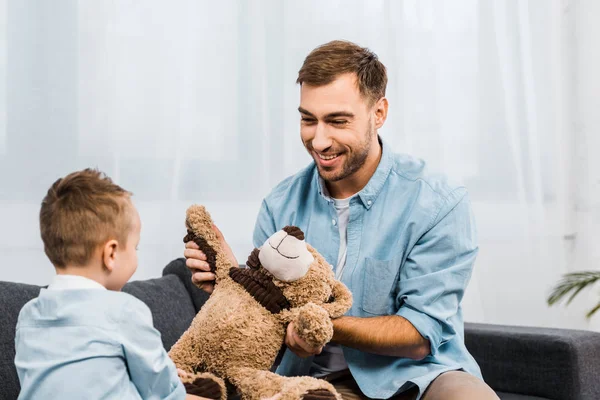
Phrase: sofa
{"type": "Point", "coordinates": [519, 363]}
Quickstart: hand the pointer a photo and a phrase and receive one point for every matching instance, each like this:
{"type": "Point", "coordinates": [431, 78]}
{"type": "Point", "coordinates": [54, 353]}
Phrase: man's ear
{"type": "Point", "coordinates": [381, 110]}
{"type": "Point", "coordinates": [109, 254]}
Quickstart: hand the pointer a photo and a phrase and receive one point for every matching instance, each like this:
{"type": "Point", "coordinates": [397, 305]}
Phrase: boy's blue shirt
{"type": "Point", "coordinates": [411, 246]}
{"type": "Point", "coordinates": [94, 344]}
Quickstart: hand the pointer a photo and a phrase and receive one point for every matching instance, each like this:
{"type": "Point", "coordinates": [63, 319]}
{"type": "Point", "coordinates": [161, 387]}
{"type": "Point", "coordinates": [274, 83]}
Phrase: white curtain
{"type": "Point", "coordinates": [190, 101]}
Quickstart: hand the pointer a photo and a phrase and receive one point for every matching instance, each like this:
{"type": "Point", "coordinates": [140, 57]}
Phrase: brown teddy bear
{"type": "Point", "coordinates": [236, 336]}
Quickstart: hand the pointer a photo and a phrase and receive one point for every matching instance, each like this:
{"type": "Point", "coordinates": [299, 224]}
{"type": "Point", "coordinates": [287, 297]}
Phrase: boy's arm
{"type": "Point", "coordinates": [150, 368]}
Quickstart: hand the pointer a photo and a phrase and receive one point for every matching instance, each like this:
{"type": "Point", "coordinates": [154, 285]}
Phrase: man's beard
{"type": "Point", "coordinates": [353, 162]}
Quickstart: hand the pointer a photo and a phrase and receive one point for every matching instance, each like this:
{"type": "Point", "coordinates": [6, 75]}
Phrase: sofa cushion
{"type": "Point", "coordinates": [550, 363]}
{"type": "Point", "coordinates": [177, 267]}
{"type": "Point", "coordinates": [170, 304]}
{"type": "Point", "coordinates": [13, 297]}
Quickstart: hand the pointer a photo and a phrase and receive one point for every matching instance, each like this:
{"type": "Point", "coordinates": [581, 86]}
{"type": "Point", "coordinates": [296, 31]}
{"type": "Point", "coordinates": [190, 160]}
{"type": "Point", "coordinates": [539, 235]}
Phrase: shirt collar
{"type": "Point", "coordinates": [70, 282]}
{"type": "Point", "coordinates": [371, 191]}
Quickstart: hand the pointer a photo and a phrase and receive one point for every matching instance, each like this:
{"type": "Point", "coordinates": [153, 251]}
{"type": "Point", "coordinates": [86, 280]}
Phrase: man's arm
{"type": "Point", "coordinates": [437, 271]}
{"type": "Point", "coordinates": [389, 335]}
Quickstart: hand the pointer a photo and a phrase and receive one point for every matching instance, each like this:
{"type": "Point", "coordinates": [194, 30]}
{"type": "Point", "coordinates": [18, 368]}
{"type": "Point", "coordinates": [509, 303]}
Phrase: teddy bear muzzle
{"type": "Point", "coordinates": [285, 254]}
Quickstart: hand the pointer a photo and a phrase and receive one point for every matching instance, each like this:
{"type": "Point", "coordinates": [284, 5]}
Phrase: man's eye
{"type": "Point", "coordinates": [308, 121]}
{"type": "Point", "coordinates": [339, 122]}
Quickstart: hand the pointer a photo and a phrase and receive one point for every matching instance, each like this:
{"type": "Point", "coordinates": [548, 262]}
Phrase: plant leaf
{"type": "Point", "coordinates": [573, 282]}
{"type": "Point", "coordinates": [592, 311]}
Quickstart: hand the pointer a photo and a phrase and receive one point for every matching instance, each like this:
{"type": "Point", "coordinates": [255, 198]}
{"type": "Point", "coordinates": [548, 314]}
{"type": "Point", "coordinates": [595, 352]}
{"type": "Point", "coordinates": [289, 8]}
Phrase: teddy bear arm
{"type": "Point", "coordinates": [255, 384]}
{"type": "Point", "coordinates": [341, 300]}
{"type": "Point", "coordinates": [313, 325]}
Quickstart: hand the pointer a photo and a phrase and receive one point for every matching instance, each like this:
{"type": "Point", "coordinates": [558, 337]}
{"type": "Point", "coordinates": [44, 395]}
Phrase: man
{"type": "Point", "coordinates": [401, 240]}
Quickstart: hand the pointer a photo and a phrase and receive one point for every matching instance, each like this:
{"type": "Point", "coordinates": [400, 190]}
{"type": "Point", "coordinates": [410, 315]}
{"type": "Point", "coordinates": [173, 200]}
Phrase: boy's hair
{"type": "Point", "coordinates": [325, 63]}
{"type": "Point", "coordinates": [81, 212]}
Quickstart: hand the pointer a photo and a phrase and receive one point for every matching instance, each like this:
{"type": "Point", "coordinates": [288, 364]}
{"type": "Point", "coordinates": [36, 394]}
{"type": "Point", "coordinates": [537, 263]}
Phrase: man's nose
{"type": "Point", "coordinates": [321, 141]}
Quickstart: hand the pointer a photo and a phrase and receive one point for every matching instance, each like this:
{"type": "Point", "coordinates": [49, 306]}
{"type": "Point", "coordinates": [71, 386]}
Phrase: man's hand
{"type": "Point", "coordinates": [299, 346]}
{"type": "Point", "coordinates": [196, 262]}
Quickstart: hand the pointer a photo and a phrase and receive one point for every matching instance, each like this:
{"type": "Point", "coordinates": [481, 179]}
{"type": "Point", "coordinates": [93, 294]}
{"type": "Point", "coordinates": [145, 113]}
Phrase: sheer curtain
{"type": "Point", "coordinates": [187, 102]}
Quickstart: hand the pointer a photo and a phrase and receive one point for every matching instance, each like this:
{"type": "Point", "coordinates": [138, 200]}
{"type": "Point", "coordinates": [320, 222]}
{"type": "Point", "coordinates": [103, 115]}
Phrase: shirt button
{"type": "Point", "coordinates": [369, 202]}
{"type": "Point", "coordinates": [334, 222]}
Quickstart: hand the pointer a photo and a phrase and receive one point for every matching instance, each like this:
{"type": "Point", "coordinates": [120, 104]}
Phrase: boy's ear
{"type": "Point", "coordinates": [109, 254]}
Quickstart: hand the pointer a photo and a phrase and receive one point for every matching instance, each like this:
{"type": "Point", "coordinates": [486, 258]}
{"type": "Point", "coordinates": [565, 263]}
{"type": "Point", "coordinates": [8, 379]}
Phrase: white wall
{"type": "Point", "coordinates": [187, 102]}
{"type": "Point", "coordinates": [586, 129]}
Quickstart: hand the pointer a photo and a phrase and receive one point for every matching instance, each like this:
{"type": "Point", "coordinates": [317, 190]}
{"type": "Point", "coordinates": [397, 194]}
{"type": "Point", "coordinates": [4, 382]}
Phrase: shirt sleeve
{"type": "Point", "coordinates": [264, 226]}
{"type": "Point", "coordinates": [150, 368]}
{"type": "Point", "coordinates": [437, 270]}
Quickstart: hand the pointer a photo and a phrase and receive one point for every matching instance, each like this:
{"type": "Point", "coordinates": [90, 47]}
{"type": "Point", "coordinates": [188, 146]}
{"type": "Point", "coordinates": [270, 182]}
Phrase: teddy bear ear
{"type": "Point", "coordinates": [253, 261]}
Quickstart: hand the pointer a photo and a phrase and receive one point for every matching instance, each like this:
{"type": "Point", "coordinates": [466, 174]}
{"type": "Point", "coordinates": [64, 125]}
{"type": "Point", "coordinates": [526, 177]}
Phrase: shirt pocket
{"type": "Point", "coordinates": [379, 279]}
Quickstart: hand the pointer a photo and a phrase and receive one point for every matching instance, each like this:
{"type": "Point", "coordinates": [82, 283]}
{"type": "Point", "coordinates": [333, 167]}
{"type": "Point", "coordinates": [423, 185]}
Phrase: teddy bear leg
{"type": "Point", "coordinates": [259, 384]}
{"type": "Point", "coordinates": [182, 356]}
{"type": "Point", "coordinates": [308, 388]}
{"type": "Point", "coordinates": [254, 384]}
{"type": "Point", "coordinates": [205, 384]}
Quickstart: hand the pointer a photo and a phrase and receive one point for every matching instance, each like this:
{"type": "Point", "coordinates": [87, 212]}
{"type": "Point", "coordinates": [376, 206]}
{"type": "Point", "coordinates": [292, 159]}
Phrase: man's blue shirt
{"type": "Point", "coordinates": [411, 248]}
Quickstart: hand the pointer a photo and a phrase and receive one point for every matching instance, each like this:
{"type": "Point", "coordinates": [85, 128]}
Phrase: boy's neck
{"type": "Point", "coordinates": [86, 271]}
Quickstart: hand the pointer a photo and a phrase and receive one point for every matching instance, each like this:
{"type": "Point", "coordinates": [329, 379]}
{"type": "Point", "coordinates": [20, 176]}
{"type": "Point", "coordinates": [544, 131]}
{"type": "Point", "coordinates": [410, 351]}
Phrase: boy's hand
{"type": "Point", "coordinates": [196, 262]}
{"type": "Point", "coordinates": [182, 374]}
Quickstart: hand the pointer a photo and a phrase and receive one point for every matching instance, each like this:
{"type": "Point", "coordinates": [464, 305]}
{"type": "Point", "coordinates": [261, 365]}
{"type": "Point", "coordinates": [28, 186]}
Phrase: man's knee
{"type": "Point", "coordinates": [458, 385]}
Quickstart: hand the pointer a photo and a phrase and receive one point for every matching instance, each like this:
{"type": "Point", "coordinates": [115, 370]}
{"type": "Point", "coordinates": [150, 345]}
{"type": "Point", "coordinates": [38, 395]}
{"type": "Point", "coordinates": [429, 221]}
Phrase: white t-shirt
{"type": "Point", "coordinates": [332, 358]}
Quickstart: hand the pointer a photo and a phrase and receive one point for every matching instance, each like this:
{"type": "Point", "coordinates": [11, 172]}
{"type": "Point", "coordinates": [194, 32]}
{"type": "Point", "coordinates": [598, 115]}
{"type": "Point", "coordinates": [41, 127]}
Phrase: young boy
{"type": "Point", "coordinates": [78, 339]}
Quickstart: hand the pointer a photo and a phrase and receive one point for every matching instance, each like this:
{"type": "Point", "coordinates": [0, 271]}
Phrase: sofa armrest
{"type": "Point", "coordinates": [551, 363]}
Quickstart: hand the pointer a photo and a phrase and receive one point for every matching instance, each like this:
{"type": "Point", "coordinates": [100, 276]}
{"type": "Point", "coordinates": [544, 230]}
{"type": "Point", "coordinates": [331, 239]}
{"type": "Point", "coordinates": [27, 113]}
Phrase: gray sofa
{"type": "Point", "coordinates": [519, 363]}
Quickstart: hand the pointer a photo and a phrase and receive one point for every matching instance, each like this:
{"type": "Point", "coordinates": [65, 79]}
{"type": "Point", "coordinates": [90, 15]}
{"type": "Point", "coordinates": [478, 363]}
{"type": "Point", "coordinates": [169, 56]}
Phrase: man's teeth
{"type": "Point", "coordinates": [328, 157]}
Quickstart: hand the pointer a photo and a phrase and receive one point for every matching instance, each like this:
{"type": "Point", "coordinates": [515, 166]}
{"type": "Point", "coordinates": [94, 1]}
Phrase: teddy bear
{"type": "Point", "coordinates": [236, 336]}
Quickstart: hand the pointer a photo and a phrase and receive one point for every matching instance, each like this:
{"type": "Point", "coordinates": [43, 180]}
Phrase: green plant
{"type": "Point", "coordinates": [574, 282]}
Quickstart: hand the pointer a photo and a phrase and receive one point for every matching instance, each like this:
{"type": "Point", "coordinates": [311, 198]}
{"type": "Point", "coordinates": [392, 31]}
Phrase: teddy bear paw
{"type": "Point", "coordinates": [313, 325]}
{"type": "Point", "coordinates": [205, 385]}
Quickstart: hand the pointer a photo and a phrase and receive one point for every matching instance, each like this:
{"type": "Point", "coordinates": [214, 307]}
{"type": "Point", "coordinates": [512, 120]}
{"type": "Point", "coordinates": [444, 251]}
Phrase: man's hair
{"type": "Point", "coordinates": [81, 212]}
{"type": "Point", "coordinates": [325, 63]}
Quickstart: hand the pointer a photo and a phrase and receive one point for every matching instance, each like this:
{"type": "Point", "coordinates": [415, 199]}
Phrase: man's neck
{"type": "Point", "coordinates": [353, 184]}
